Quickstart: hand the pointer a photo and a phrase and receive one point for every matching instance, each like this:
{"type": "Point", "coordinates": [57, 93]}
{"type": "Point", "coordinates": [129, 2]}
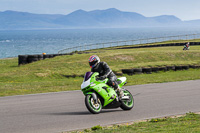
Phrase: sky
{"type": "Point", "coordinates": [183, 9]}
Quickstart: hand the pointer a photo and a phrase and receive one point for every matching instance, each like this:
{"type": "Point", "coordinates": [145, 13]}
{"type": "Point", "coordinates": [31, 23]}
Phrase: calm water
{"type": "Point", "coordinates": [14, 43]}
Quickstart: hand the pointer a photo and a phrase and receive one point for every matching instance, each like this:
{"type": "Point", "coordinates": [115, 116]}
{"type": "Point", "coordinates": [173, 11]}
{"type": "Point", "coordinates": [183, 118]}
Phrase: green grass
{"type": "Point", "coordinates": [190, 123]}
{"type": "Point", "coordinates": [164, 42]}
{"type": "Point", "coordinates": [49, 75]}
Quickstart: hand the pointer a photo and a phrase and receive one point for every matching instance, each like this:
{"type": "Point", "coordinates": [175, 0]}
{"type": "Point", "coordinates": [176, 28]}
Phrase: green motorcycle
{"type": "Point", "coordinates": [98, 95]}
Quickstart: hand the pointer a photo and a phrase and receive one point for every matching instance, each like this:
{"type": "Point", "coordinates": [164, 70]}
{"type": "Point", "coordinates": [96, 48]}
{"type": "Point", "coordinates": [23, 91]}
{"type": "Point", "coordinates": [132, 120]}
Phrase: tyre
{"type": "Point", "coordinates": [192, 66]}
{"type": "Point", "coordinates": [127, 71]}
{"type": "Point", "coordinates": [40, 57]}
{"type": "Point", "coordinates": [195, 66]}
{"type": "Point", "coordinates": [177, 68]}
{"type": "Point", "coordinates": [137, 70]}
{"type": "Point", "coordinates": [93, 107]}
{"type": "Point", "coordinates": [185, 67]}
{"type": "Point", "coordinates": [127, 104]}
{"type": "Point", "coordinates": [51, 55]}
{"type": "Point", "coordinates": [119, 74]}
{"type": "Point", "coordinates": [147, 70]}
{"type": "Point", "coordinates": [154, 69]}
{"type": "Point", "coordinates": [45, 56]}
{"type": "Point", "coordinates": [170, 68]}
{"type": "Point", "coordinates": [172, 44]}
{"type": "Point", "coordinates": [54, 55]}
{"type": "Point", "coordinates": [22, 59]}
{"type": "Point", "coordinates": [32, 58]}
{"type": "Point", "coordinates": [162, 69]}
{"type": "Point", "coordinates": [197, 43]}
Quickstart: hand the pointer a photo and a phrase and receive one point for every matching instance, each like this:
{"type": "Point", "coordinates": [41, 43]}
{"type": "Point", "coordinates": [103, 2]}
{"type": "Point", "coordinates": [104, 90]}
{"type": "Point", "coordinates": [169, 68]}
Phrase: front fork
{"type": "Point", "coordinates": [94, 96]}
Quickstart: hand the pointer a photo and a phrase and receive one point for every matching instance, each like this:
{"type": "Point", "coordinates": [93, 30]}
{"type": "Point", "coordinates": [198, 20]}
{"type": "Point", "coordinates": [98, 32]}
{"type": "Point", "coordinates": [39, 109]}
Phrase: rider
{"type": "Point", "coordinates": [105, 72]}
{"type": "Point", "coordinates": [187, 45]}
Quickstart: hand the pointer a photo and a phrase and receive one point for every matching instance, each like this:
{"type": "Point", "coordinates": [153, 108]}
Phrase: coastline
{"type": "Point", "coordinates": [8, 58]}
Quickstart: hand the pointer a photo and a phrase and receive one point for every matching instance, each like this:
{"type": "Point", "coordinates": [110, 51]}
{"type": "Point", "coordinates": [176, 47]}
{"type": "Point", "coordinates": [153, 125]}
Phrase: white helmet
{"type": "Point", "coordinates": [94, 61]}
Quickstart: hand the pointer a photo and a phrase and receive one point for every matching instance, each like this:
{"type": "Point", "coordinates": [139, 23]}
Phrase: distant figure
{"type": "Point", "coordinates": [187, 46]}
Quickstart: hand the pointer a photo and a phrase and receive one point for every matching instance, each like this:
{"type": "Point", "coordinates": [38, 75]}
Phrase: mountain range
{"type": "Point", "coordinates": [109, 18]}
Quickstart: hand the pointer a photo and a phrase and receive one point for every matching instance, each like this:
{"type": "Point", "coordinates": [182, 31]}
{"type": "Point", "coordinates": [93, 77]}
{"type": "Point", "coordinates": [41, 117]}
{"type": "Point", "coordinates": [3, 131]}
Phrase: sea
{"type": "Point", "coordinates": [25, 42]}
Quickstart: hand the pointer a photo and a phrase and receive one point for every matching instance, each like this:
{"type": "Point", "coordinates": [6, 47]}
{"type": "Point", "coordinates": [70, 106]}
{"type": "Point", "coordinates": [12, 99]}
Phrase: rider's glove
{"type": "Point", "coordinates": [102, 77]}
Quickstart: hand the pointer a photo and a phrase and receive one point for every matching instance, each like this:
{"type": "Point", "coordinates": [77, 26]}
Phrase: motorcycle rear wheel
{"type": "Point", "coordinates": [127, 104]}
{"type": "Point", "coordinates": [93, 107]}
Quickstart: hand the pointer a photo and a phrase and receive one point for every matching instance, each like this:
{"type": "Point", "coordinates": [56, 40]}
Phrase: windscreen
{"type": "Point", "coordinates": [87, 75]}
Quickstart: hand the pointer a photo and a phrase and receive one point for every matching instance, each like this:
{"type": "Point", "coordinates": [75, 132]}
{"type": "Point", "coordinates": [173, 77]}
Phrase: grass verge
{"type": "Point", "coordinates": [50, 75]}
{"type": "Point", "coordinates": [190, 123]}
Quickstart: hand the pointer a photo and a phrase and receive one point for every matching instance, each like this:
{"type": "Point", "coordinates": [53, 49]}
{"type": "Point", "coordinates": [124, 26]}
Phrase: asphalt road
{"type": "Point", "coordinates": [64, 111]}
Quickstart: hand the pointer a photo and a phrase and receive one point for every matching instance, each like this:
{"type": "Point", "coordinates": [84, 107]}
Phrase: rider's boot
{"type": "Point", "coordinates": [121, 94]}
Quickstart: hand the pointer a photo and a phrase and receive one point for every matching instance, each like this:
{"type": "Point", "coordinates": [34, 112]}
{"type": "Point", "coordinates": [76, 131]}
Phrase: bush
{"type": "Point", "coordinates": [98, 127]}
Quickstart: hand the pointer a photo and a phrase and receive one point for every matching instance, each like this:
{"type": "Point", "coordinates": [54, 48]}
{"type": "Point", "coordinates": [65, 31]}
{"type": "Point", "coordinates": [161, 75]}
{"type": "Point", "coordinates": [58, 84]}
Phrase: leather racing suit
{"type": "Point", "coordinates": [104, 71]}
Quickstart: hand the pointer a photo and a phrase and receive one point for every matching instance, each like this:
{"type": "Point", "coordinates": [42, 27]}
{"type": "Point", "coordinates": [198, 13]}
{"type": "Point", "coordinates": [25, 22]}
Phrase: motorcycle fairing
{"type": "Point", "coordinates": [100, 87]}
{"type": "Point", "coordinates": [121, 81]}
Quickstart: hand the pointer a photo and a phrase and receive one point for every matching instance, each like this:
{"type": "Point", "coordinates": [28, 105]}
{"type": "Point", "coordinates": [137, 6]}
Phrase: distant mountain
{"type": "Point", "coordinates": [92, 19]}
{"type": "Point", "coordinates": [101, 18]}
{"type": "Point", "coordinates": [22, 20]}
{"type": "Point", "coordinates": [77, 18]}
{"type": "Point", "coordinates": [192, 22]}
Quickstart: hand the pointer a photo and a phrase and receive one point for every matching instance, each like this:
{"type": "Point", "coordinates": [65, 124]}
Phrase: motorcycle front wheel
{"type": "Point", "coordinates": [127, 104]}
{"type": "Point", "coordinates": [93, 107]}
